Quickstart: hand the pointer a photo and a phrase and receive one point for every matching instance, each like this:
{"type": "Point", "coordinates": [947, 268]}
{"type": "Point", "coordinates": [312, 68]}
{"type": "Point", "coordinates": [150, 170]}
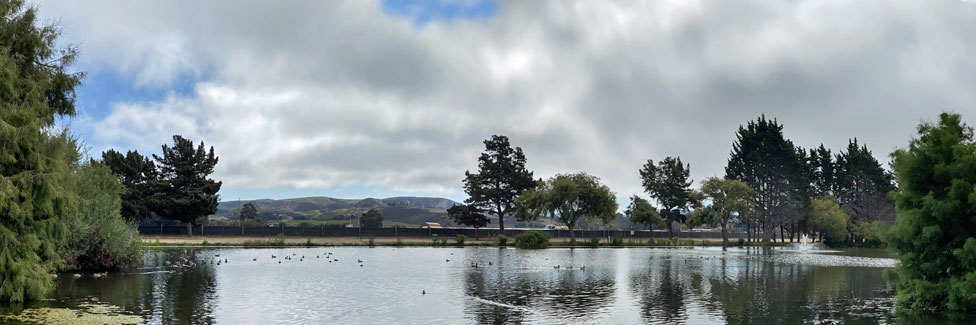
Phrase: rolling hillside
{"type": "Point", "coordinates": [395, 210]}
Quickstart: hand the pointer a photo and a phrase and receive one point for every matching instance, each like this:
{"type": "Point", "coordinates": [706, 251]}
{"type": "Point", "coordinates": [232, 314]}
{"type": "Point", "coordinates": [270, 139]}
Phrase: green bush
{"type": "Point", "coordinates": [739, 243]}
{"type": "Point", "coordinates": [871, 232]}
{"type": "Point", "coordinates": [532, 239]}
{"type": "Point", "coordinates": [440, 241]}
{"type": "Point", "coordinates": [616, 240]}
{"type": "Point", "coordinates": [371, 242]}
{"type": "Point", "coordinates": [594, 242]}
{"type": "Point", "coordinates": [828, 217]}
{"type": "Point", "coordinates": [459, 239]}
{"type": "Point", "coordinates": [99, 237]}
{"type": "Point", "coordinates": [501, 241]}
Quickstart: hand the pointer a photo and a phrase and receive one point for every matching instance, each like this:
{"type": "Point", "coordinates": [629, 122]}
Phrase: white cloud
{"type": "Point", "coordinates": [319, 94]}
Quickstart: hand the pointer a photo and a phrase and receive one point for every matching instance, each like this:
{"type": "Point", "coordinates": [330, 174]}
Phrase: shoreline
{"type": "Point", "coordinates": [155, 241]}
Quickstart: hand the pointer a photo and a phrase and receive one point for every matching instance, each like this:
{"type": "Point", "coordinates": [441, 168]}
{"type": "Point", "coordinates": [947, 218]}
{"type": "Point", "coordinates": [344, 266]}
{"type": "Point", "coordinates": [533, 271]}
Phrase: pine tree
{"type": "Point", "coordinates": [500, 179]}
{"type": "Point", "coordinates": [183, 191]}
{"type": "Point", "coordinates": [767, 161]}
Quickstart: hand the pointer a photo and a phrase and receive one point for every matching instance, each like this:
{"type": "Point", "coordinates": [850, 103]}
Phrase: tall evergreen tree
{"type": "Point", "coordinates": [824, 169]}
{"type": "Point", "coordinates": [935, 232]}
{"type": "Point", "coordinates": [500, 179]}
{"type": "Point", "coordinates": [138, 174]}
{"type": "Point", "coordinates": [35, 88]}
{"type": "Point", "coordinates": [862, 185]}
{"type": "Point", "coordinates": [767, 161]}
{"type": "Point", "coordinates": [669, 183]}
{"type": "Point", "coordinates": [184, 193]}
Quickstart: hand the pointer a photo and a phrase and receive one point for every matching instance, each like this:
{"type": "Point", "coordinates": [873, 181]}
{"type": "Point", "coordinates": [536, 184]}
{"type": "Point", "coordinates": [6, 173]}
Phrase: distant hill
{"type": "Point", "coordinates": [404, 210]}
{"type": "Point", "coordinates": [407, 211]}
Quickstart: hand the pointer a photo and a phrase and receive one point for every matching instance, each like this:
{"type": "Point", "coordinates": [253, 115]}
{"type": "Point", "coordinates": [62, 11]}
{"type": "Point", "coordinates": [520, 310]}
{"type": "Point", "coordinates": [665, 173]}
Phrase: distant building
{"type": "Point", "coordinates": [428, 225]}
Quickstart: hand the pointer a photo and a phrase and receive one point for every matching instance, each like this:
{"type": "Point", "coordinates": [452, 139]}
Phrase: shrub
{"type": "Point", "coordinates": [460, 239]}
{"type": "Point", "coordinates": [871, 232]}
{"type": "Point", "coordinates": [371, 242]}
{"type": "Point", "coordinates": [616, 240]}
{"type": "Point", "coordinates": [532, 239]}
{"type": "Point", "coordinates": [99, 237]}
{"type": "Point", "coordinates": [594, 242]}
{"type": "Point", "coordinates": [440, 241]}
{"type": "Point", "coordinates": [739, 243]}
{"type": "Point", "coordinates": [502, 241]}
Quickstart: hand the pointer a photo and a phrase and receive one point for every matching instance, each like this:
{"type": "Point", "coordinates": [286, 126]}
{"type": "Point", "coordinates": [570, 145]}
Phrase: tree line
{"type": "Point", "coordinates": [770, 186]}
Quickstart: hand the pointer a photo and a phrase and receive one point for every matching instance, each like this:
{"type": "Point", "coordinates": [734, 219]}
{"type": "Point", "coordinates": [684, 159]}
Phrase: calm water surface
{"type": "Point", "coordinates": [617, 286]}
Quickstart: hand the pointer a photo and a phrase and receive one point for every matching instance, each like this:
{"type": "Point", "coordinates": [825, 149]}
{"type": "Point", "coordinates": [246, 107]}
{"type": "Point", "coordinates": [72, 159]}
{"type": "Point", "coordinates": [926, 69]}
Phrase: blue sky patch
{"type": "Point", "coordinates": [103, 88]}
{"type": "Point", "coordinates": [422, 12]}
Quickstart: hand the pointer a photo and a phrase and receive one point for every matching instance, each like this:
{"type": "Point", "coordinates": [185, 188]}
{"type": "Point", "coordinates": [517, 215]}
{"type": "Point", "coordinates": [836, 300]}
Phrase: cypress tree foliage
{"type": "Point", "coordinates": [500, 179]}
{"type": "Point", "coordinates": [183, 191]}
{"type": "Point", "coordinates": [669, 183]}
{"type": "Point", "coordinates": [35, 87]}
{"type": "Point", "coordinates": [821, 161]}
{"type": "Point", "coordinates": [935, 231]}
{"type": "Point", "coordinates": [767, 161]}
{"type": "Point", "coordinates": [138, 174]}
{"type": "Point", "coordinates": [862, 185]}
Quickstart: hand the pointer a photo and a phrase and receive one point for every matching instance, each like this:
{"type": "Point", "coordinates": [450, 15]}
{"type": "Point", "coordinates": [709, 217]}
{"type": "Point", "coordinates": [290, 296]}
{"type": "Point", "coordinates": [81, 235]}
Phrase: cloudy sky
{"type": "Point", "coordinates": [381, 98]}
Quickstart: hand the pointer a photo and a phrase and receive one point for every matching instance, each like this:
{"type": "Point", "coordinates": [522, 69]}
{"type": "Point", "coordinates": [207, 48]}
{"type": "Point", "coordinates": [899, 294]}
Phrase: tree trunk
{"type": "Point", "coordinates": [671, 229]}
{"type": "Point", "coordinates": [749, 232]}
{"type": "Point", "coordinates": [725, 236]}
{"type": "Point", "coordinates": [572, 236]}
{"type": "Point", "coordinates": [189, 229]}
{"type": "Point", "coordinates": [782, 238]}
{"type": "Point", "coordinates": [501, 217]}
{"type": "Point", "coordinates": [767, 235]}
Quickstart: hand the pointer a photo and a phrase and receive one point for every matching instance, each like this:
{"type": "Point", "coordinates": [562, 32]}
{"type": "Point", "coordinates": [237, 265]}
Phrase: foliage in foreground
{"type": "Point", "coordinates": [100, 238]}
{"type": "Point", "coordinates": [34, 162]}
{"type": "Point", "coordinates": [936, 224]}
{"type": "Point", "coordinates": [532, 239]}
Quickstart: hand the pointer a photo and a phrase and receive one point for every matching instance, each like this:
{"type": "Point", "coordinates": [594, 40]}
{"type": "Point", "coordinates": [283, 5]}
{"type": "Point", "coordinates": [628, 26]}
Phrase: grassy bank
{"type": "Point", "coordinates": [238, 241]}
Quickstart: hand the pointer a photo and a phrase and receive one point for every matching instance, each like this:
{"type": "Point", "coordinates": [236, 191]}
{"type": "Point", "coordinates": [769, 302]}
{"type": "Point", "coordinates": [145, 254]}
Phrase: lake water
{"type": "Point", "coordinates": [604, 286]}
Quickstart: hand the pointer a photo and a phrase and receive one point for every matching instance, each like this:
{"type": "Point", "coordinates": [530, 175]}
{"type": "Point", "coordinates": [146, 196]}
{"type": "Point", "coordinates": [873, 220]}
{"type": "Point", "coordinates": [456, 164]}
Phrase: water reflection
{"type": "Point", "coordinates": [507, 286]}
{"type": "Point", "coordinates": [507, 292]}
